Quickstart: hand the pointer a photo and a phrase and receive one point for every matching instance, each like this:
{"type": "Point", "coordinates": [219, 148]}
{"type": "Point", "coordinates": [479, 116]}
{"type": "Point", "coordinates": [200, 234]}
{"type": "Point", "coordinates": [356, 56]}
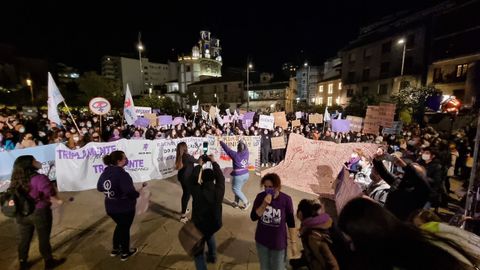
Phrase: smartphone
{"type": "Point", "coordinates": [205, 148]}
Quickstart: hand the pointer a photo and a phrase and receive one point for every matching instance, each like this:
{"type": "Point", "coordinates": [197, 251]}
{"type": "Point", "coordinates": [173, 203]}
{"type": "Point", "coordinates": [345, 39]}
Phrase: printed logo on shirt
{"type": "Point", "coordinates": [272, 216]}
{"type": "Point", "coordinates": [107, 185]}
{"type": "Point", "coordinates": [244, 163]}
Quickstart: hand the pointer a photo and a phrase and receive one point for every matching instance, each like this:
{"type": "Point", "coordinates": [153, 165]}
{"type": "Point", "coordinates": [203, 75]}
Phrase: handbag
{"type": "Point", "coordinates": [191, 239]}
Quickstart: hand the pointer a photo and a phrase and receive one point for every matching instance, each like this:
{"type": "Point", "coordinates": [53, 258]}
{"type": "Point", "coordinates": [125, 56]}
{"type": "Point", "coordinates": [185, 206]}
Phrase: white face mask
{"type": "Point", "coordinates": [76, 139]}
{"type": "Point", "coordinates": [89, 125]}
{"type": "Point", "coordinates": [425, 157]}
{"type": "Point", "coordinates": [21, 130]}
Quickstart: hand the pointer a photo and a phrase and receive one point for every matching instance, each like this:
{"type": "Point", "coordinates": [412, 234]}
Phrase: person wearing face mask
{"type": "Point", "coordinates": [120, 201]}
{"type": "Point", "coordinates": [26, 179]}
{"type": "Point", "coordinates": [266, 148]}
{"type": "Point", "coordinates": [434, 173]}
{"type": "Point", "coordinates": [115, 135]}
{"type": "Point", "coordinates": [75, 142]}
{"type": "Point", "coordinates": [26, 141]}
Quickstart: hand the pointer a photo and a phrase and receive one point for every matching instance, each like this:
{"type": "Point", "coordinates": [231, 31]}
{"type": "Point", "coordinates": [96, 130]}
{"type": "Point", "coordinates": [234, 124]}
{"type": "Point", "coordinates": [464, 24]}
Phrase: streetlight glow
{"type": "Point", "coordinates": [250, 66]}
{"type": "Point", "coordinates": [29, 82]}
{"type": "Point", "coordinates": [140, 47]}
{"type": "Point", "coordinates": [401, 41]}
{"type": "Point", "coordinates": [305, 64]}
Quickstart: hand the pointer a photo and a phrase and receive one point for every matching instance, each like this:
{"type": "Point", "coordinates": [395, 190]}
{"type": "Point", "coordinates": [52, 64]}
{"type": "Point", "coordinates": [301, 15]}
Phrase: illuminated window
{"type": "Point", "coordinates": [330, 89]}
{"type": "Point", "coordinates": [320, 100]}
{"type": "Point", "coordinates": [329, 101]}
{"type": "Point", "coordinates": [339, 86]}
{"type": "Point", "coordinates": [337, 100]}
{"type": "Point", "coordinates": [320, 89]}
{"type": "Point", "coordinates": [462, 70]}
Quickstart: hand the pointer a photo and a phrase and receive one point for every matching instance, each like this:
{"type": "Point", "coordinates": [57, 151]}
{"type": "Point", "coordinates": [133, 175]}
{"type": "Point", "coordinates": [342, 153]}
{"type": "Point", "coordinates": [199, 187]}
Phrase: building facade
{"type": "Point", "coordinates": [272, 96]}
{"type": "Point", "coordinates": [307, 79]}
{"type": "Point", "coordinates": [204, 62]}
{"type": "Point", "coordinates": [216, 91]}
{"type": "Point", "coordinates": [142, 77]}
{"type": "Point", "coordinates": [329, 92]}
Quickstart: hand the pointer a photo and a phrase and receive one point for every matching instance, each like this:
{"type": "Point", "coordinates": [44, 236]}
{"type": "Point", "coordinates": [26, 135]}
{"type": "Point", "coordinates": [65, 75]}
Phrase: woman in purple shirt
{"type": "Point", "coordinates": [25, 179]}
{"type": "Point", "coordinates": [274, 211]}
{"type": "Point", "coordinates": [240, 172]}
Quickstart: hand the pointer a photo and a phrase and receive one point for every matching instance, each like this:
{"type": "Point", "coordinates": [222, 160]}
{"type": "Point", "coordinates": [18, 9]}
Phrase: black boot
{"type": "Point", "coordinates": [23, 265]}
{"type": "Point", "coordinates": [52, 263]}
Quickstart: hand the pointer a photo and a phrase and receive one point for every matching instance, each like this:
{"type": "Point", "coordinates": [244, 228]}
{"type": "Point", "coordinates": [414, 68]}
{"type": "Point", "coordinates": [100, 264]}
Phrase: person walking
{"type": "Point", "coordinates": [26, 180]}
{"type": "Point", "coordinates": [184, 164]}
{"type": "Point", "coordinates": [273, 210]}
{"type": "Point", "coordinates": [240, 172]}
{"type": "Point", "coordinates": [208, 190]}
{"type": "Point", "coordinates": [120, 201]}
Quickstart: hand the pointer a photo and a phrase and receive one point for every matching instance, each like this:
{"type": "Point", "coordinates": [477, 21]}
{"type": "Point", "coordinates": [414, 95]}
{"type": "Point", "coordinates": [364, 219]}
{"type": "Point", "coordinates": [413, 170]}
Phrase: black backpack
{"type": "Point", "coordinates": [16, 203]}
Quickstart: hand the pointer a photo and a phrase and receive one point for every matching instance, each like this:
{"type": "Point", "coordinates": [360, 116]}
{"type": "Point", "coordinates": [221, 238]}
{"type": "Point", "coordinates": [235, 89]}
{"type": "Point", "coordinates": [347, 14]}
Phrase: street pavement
{"type": "Point", "coordinates": [82, 232]}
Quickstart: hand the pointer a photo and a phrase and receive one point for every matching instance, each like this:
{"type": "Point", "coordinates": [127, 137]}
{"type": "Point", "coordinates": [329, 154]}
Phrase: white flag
{"type": "Point", "coordinates": [228, 112]}
{"type": "Point", "coordinates": [220, 120]}
{"type": "Point", "coordinates": [195, 108]}
{"type": "Point", "coordinates": [204, 115]}
{"type": "Point", "coordinates": [339, 116]}
{"type": "Point", "coordinates": [235, 115]}
{"type": "Point", "coordinates": [129, 108]}
{"type": "Point", "coordinates": [54, 98]}
{"type": "Point", "coordinates": [326, 115]}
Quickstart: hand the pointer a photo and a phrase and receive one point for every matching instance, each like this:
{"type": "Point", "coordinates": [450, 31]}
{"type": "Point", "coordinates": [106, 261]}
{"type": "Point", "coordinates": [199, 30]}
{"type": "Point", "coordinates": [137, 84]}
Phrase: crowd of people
{"type": "Point", "coordinates": [390, 227]}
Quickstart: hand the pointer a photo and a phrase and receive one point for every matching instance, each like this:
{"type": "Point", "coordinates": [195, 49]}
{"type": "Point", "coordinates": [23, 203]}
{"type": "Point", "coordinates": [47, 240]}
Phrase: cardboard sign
{"type": "Point", "coordinates": [296, 123]}
{"type": "Point", "coordinates": [280, 119]}
{"type": "Point", "coordinates": [164, 120]}
{"type": "Point", "coordinates": [99, 106]}
{"type": "Point", "coordinates": [387, 114]}
{"type": "Point", "coordinates": [356, 123]}
{"type": "Point", "coordinates": [278, 143]}
{"type": "Point", "coordinates": [340, 125]}
{"type": "Point", "coordinates": [266, 122]}
{"type": "Point", "coordinates": [298, 115]}
{"type": "Point", "coordinates": [212, 112]}
{"type": "Point", "coordinates": [142, 110]}
{"type": "Point", "coordinates": [315, 118]}
{"type": "Point", "coordinates": [152, 117]}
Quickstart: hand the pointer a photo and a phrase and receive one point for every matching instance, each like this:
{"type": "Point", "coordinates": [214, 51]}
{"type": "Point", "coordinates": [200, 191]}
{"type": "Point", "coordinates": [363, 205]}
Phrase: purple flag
{"type": "Point", "coordinates": [178, 120]}
{"type": "Point", "coordinates": [142, 122]}
{"type": "Point", "coordinates": [164, 120]}
{"type": "Point", "coordinates": [340, 125]}
{"type": "Point", "coordinates": [247, 119]}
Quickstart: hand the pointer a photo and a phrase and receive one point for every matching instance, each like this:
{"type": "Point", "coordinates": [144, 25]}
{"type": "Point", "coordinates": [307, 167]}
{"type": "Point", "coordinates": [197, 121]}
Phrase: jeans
{"type": "Point", "coordinates": [237, 185]}
{"type": "Point", "coordinates": [265, 152]}
{"type": "Point", "coordinates": [200, 263]}
{"type": "Point", "coordinates": [41, 221]}
{"type": "Point", "coordinates": [271, 259]}
{"type": "Point", "coordinates": [121, 235]}
{"type": "Point", "coordinates": [185, 196]}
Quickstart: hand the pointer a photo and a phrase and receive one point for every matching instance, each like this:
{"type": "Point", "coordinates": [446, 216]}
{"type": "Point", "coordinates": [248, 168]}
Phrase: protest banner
{"type": "Point", "coordinates": [280, 119]}
{"type": "Point", "coordinates": [296, 123]}
{"type": "Point", "coordinates": [247, 119]}
{"type": "Point", "coordinates": [278, 143]}
{"type": "Point", "coordinates": [312, 166]}
{"type": "Point", "coordinates": [226, 119]}
{"type": "Point", "coordinates": [148, 159]}
{"type": "Point", "coordinates": [386, 114]}
{"type": "Point", "coordinates": [178, 121]}
{"type": "Point", "coordinates": [298, 115]}
{"type": "Point", "coordinates": [266, 122]}
{"type": "Point", "coordinates": [346, 189]}
{"type": "Point", "coordinates": [140, 111]}
{"type": "Point", "coordinates": [164, 120]}
{"type": "Point", "coordinates": [340, 125]}
{"type": "Point", "coordinates": [152, 118]}
{"type": "Point", "coordinates": [212, 112]}
{"type": "Point", "coordinates": [142, 122]}
{"type": "Point", "coordinates": [315, 118]}
{"type": "Point", "coordinates": [395, 129]}
{"type": "Point", "coordinates": [372, 120]}
{"type": "Point", "coordinates": [356, 123]}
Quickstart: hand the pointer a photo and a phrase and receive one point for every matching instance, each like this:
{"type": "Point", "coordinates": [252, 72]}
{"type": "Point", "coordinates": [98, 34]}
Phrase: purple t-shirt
{"type": "Point", "coordinates": [272, 225]}
{"type": "Point", "coordinates": [41, 189]}
{"type": "Point", "coordinates": [239, 160]}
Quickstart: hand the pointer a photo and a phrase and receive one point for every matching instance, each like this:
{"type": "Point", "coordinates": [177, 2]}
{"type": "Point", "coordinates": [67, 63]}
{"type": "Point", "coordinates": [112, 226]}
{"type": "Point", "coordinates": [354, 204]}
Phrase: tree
{"type": "Point", "coordinates": [413, 99]}
{"type": "Point", "coordinates": [359, 103]}
{"type": "Point", "coordinates": [165, 104]}
{"type": "Point", "coordinates": [93, 85]}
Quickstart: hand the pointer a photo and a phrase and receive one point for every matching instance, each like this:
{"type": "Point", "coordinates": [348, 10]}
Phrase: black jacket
{"type": "Point", "coordinates": [407, 193]}
{"type": "Point", "coordinates": [185, 172]}
{"type": "Point", "coordinates": [207, 199]}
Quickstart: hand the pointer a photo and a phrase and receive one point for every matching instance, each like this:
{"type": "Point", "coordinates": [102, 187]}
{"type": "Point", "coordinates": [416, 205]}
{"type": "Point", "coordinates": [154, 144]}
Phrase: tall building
{"type": "Point", "coordinates": [220, 90]}
{"type": "Point", "coordinates": [141, 79]}
{"type": "Point", "coordinates": [205, 62]}
{"type": "Point", "coordinates": [329, 88]}
{"type": "Point", "coordinates": [307, 79]}
{"type": "Point", "coordinates": [270, 95]}
{"type": "Point", "coordinates": [66, 74]}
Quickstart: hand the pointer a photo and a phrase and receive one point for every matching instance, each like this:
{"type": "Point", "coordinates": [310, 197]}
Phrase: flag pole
{"type": "Point", "coordinates": [69, 113]}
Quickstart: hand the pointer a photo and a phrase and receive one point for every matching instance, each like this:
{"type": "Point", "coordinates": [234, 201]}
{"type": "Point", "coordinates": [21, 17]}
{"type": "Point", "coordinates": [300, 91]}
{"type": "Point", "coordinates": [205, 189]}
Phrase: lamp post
{"type": "Point", "coordinates": [308, 82]}
{"type": "Point", "coordinates": [402, 41]}
{"type": "Point", "coordinates": [216, 97]}
{"type": "Point", "coordinates": [30, 85]}
{"type": "Point", "coordinates": [140, 49]}
{"type": "Point", "coordinates": [249, 67]}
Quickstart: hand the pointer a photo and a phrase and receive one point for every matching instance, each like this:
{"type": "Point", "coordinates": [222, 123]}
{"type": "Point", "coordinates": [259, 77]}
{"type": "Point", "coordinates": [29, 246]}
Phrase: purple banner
{"type": "Point", "coordinates": [247, 119]}
{"type": "Point", "coordinates": [164, 120]}
{"type": "Point", "coordinates": [142, 122]}
{"type": "Point", "coordinates": [178, 120]}
{"type": "Point", "coordinates": [340, 125]}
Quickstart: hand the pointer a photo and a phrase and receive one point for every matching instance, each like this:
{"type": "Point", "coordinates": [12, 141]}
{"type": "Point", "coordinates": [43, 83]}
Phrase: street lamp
{"type": "Point", "coordinates": [249, 67]}
{"type": "Point", "coordinates": [216, 97]}
{"type": "Point", "coordinates": [30, 85]}
{"type": "Point", "coordinates": [140, 49]}
{"type": "Point", "coordinates": [402, 41]}
{"type": "Point", "coordinates": [308, 80]}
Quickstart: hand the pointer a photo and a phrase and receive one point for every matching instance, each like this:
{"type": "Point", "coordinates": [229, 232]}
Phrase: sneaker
{"type": "Point", "coordinates": [125, 257]}
{"type": "Point", "coordinates": [234, 204]}
{"type": "Point", "coordinates": [263, 165]}
{"type": "Point", "coordinates": [52, 263]}
{"type": "Point", "coordinates": [246, 206]}
{"type": "Point", "coordinates": [184, 219]}
{"type": "Point", "coordinates": [115, 253]}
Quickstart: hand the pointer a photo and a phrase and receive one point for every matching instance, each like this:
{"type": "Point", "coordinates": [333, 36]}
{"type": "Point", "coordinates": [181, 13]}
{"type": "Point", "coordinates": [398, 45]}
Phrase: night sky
{"type": "Point", "coordinates": [79, 33]}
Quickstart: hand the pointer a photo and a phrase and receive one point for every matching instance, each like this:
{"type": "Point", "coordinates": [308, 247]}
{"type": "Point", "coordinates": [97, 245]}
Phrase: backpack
{"type": "Point", "coordinates": [16, 203]}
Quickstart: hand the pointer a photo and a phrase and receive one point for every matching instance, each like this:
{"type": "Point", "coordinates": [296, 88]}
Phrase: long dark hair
{"type": "Point", "coordinates": [385, 242]}
{"type": "Point", "coordinates": [181, 149]}
{"type": "Point", "coordinates": [309, 208]}
{"type": "Point", "coordinates": [113, 158]}
{"type": "Point", "coordinates": [23, 170]}
{"type": "Point", "coordinates": [241, 147]}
